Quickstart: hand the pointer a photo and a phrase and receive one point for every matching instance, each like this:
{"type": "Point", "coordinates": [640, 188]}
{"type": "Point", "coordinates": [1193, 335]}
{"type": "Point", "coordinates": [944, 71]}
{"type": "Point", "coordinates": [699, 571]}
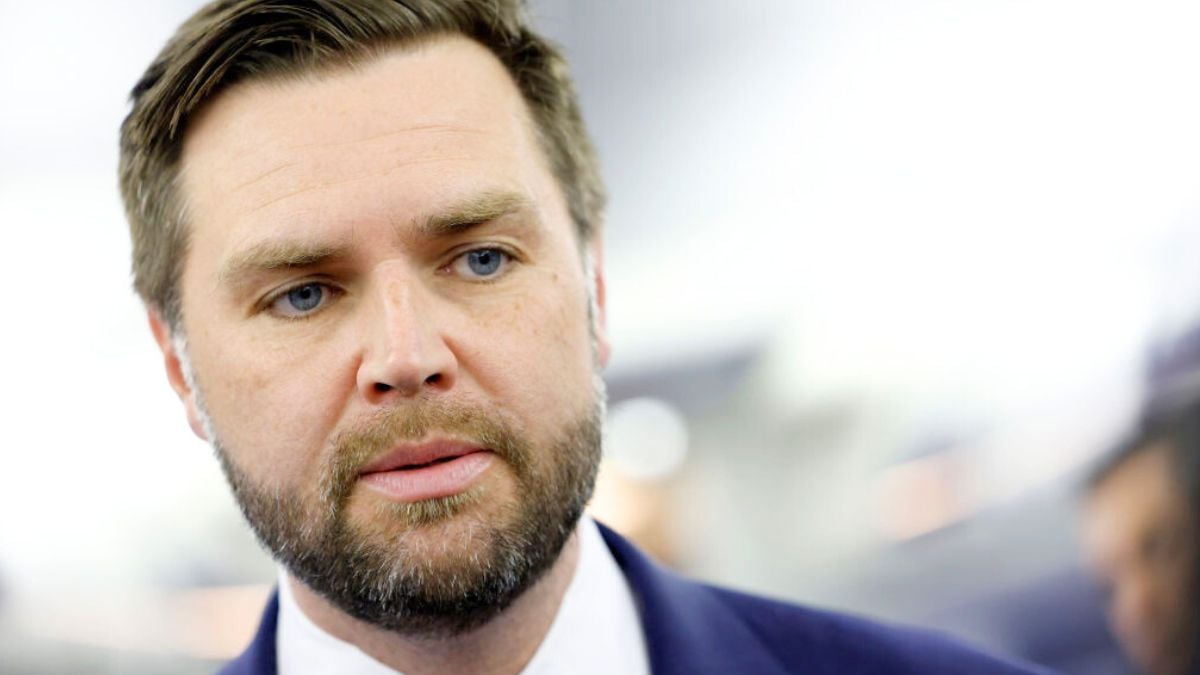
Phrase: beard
{"type": "Point", "coordinates": [434, 568]}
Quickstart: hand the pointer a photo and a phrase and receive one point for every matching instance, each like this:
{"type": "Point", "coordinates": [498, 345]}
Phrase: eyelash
{"type": "Point", "coordinates": [507, 258]}
{"type": "Point", "coordinates": [330, 291]}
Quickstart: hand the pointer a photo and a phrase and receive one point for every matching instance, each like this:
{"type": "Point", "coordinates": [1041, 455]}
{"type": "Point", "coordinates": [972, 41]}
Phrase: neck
{"type": "Point", "coordinates": [503, 646]}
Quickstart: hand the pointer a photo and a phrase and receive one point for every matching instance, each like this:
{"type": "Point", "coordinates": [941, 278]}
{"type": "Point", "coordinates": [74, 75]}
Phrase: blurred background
{"type": "Point", "coordinates": [883, 276]}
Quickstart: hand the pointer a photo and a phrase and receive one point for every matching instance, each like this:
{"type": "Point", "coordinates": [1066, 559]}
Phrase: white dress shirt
{"type": "Point", "coordinates": [595, 632]}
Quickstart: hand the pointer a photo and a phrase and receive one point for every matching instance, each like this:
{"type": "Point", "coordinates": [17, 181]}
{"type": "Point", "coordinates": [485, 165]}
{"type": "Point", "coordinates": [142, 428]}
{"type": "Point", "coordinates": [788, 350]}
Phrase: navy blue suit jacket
{"type": "Point", "coordinates": [695, 629]}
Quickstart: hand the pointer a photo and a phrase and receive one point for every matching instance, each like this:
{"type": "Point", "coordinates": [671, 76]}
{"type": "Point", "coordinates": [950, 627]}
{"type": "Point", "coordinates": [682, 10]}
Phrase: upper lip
{"type": "Point", "coordinates": [416, 454]}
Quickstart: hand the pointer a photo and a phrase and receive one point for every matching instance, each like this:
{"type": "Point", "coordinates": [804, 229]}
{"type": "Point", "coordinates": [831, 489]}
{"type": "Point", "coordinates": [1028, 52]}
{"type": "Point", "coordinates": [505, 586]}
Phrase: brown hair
{"type": "Point", "coordinates": [230, 41]}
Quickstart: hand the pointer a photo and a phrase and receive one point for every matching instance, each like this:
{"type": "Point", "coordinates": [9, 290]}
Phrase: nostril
{"type": "Point", "coordinates": [381, 388]}
{"type": "Point", "coordinates": [434, 378]}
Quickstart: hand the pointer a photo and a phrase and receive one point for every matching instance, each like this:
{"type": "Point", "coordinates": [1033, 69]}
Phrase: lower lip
{"type": "Point", "coordinates": [430, 482]}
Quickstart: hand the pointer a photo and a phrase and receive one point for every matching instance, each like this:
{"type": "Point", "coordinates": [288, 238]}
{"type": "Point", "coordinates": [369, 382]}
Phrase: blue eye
{"type": "Point", "coordinates": [482, 263]}
{"type": "Point", "coordinates": [300, 300]}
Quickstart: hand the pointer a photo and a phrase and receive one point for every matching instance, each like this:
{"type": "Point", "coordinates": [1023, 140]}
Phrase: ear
{"type": "Point", "coordinates": [595, 251]}
{"type": "Point", "coordinates": [173, 363]}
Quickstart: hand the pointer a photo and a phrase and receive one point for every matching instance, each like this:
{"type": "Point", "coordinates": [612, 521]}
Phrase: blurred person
{"type": "Point", "coordinates": [367, 234]}
{"type": "Point", "coordinates": [1141, 524]}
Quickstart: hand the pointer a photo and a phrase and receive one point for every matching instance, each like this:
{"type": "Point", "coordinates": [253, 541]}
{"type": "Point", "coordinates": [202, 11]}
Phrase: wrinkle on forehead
{"type": "Point", "coordinates": [443, 128]}
{"type": "Point", "coordinates": [434, 128]}
{"type": "Point", "coordinates": [363, 176]}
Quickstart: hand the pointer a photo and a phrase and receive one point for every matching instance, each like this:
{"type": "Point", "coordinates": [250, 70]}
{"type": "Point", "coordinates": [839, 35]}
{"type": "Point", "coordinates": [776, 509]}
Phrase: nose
{"type": "Point", "coordinates": [405, 353]}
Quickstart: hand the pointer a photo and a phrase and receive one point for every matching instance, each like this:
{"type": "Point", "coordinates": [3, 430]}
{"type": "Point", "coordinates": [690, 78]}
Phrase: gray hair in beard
{"type": "Point", "coordinates": [382, 574]}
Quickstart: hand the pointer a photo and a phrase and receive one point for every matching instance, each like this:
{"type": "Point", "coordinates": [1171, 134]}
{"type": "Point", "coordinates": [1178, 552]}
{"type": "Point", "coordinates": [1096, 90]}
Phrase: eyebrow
{"type": "Point", "coordinates": [273, 255]}
{"type": "Point", "coordinates": [269, 256]}
{"type": "Point", "coordinates": [477, 210]}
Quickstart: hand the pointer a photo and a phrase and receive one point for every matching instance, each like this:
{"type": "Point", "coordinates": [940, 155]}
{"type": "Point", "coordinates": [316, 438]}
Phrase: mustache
{"type": "Point", "coordinates": [357, 446]}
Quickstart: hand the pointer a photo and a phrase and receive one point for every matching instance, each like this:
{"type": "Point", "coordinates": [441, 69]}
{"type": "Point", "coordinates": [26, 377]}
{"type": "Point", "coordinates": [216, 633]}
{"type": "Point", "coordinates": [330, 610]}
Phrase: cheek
{"type": "Point", "coordinates": [532, 350]}
{"type": "Point", "coordinates": [274, 405]}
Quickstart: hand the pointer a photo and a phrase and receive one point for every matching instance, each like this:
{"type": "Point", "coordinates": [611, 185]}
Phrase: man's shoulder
{"type": "Point", "coordinates": [809, 640]}
{"type": "Point", "coordinates": [693, 627]}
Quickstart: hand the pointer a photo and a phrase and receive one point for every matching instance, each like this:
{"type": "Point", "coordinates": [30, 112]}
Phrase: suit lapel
{"type": "Point", "coordinates": [690, 628]}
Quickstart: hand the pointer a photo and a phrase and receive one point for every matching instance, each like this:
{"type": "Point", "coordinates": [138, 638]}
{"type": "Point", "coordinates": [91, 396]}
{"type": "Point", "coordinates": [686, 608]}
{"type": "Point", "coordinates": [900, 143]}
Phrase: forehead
{"type": "Point", "coordinates": [443, 112]}
{"type": "Point", "coordinates": [1140, 493]}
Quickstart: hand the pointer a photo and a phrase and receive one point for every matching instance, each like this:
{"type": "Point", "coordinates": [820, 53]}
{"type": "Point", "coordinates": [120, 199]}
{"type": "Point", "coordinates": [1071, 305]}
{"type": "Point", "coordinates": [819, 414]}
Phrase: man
{"type": "Point", "coordinates": [368, 237]}
{"type": "Point", "coordinates": [1140, 534]}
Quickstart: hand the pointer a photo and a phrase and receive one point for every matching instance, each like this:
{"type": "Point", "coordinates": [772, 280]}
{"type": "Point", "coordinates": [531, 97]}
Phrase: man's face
{"type": "Point", "coordinates": [1140, 540]}
{"type": "Point", "coordinates": [387, 320]}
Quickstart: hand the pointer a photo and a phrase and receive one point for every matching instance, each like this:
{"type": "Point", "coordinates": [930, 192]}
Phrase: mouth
{"type": "Point", "coordinates": [439, 460]}
{"type": "Point", "coordinates": [413, 473]}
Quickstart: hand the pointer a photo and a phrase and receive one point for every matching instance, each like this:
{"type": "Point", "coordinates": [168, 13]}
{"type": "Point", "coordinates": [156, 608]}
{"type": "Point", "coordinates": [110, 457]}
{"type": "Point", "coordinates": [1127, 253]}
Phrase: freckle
{"type": "Point", "coordinates": [258, 381]}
